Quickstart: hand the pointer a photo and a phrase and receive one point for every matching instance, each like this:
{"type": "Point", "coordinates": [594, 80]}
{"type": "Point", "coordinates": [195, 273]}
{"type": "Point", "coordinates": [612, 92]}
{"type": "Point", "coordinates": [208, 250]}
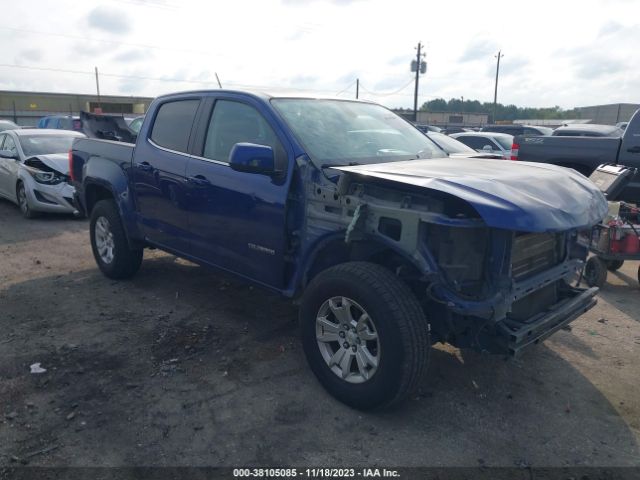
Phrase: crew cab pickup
{"type": "Point", "coordinates": [388, 244]}
{"type": "Point", "coordinates": [585, 154]}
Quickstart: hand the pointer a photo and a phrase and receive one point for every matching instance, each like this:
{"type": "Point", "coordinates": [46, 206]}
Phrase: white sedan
{"type": "Point", "coordinates": [34, 170]}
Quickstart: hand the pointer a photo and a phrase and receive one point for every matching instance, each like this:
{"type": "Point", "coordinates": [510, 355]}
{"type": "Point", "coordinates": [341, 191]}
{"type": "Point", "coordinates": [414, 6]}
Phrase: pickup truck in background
{"type": "Point", "coordinates": [388, 244]}
{"type": "Point", "coordinates": [585, 154]}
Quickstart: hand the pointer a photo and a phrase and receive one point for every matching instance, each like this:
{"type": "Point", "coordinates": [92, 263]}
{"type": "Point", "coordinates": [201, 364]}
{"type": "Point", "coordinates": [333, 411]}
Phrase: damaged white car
{"type": "Point", "coordinates": [34, 170]}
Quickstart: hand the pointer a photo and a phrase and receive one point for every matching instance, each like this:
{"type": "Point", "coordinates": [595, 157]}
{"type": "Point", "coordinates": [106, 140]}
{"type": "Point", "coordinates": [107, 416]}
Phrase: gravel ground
{"type": "Point", "coordinates": [185, 366]}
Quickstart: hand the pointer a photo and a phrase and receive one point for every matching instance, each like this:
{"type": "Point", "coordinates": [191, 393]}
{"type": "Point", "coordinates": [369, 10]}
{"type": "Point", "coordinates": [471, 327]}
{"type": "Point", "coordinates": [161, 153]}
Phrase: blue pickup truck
{"type": "Point", "coordinates": [388, 245]}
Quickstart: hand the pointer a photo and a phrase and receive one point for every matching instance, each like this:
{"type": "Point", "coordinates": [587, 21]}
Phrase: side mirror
{"type": "Point", "coordinates": [252, 158]}
{"type": "Point", "coordinates": [8, 154]}
{"type": "Point", "coordinates": [487, 148]}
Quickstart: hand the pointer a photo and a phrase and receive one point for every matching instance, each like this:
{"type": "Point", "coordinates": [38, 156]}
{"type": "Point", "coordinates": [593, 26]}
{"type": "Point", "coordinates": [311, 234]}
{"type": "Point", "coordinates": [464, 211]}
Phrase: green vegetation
{"type": "Point", "coordinates": [503, 112]}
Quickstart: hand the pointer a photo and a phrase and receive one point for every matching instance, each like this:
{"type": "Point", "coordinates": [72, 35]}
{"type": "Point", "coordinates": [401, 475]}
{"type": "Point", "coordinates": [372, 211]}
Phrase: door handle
{"type": "Point", "coordinates": [635, 149]}
{"type": "Point", "coordinates": [199, 180]}
{"type": "Point", "coordinates": [145, 166]}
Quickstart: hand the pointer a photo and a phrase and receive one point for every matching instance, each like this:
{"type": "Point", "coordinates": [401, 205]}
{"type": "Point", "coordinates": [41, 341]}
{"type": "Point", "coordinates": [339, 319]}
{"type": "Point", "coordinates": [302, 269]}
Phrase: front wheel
{"type": "Point", "coordinates": [364, 334]}
{"type": "Point", "coordinates": [109, 243]}
{"type": "Point", "coordinates": [23, 201]}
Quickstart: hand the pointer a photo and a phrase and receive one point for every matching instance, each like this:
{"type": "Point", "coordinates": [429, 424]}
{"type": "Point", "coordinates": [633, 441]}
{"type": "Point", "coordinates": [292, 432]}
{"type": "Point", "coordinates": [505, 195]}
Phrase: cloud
{"type": "Point", "coordinates": [609, 28]}
{"type": "Point", "coordinates": [109, 20]}
{"type": "Point", "coordinates": [399, 60]}
{"type": "Point", "coordinates": [133, 55]}
{"type": "Point", "coordinates": [302, 3]}
{"type": "Point", "coordinates": [30, 55]}
{"type": "Point", "coordinates": [508, 65]}
{"type": "Point", "coordinates": [594, 67]}
{"type": "Point", "coordinates": [479, 49]}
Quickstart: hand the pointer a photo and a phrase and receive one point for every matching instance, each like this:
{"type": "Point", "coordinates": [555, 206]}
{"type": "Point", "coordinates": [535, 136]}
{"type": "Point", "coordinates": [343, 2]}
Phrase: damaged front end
{"type": "Point", "coordinates": [483, 286]}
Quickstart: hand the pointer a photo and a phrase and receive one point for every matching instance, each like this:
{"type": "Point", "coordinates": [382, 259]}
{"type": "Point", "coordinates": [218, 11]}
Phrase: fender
{"type": "Point", "coordinates": [311, 254]}
{"type": "Point", "coordinates": [107, 175]}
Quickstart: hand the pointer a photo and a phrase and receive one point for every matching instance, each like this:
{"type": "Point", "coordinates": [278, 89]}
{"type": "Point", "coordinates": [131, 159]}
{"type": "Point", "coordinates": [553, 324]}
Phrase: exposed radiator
{"type": "Point", "coordinates": [534, 253]}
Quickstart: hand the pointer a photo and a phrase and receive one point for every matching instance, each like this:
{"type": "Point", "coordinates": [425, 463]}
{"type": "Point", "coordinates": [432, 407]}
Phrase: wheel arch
{"type": "Point", "coordinates": [333, 250]}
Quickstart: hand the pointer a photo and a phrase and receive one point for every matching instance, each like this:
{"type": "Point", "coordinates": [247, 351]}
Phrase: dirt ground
{"type": "Point", "coordinates": [185, 366]}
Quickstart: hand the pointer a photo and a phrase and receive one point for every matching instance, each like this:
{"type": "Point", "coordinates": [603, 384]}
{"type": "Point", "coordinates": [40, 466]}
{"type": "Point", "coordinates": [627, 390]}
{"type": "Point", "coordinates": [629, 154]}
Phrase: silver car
{"type": "Point", "coordinates": [34, 169]}
{"type": "Point", "coordinates": [488, 142]}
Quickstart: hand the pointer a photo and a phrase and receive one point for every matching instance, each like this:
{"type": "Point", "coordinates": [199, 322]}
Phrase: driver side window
{"type": "Point", "coordinates": [235, 122]}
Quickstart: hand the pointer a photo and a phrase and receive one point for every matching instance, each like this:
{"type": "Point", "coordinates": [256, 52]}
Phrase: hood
{"type": "Point", "coordinates": [57, 161]}
{"type": "Point", "coordinates": [521, 196]}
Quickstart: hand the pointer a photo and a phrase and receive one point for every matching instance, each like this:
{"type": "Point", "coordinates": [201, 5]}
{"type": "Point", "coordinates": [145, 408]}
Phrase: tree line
{"type": "Point", "coordinates": [503, 112]}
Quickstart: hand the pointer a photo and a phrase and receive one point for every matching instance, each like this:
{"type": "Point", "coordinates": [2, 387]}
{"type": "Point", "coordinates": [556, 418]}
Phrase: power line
{"type": "Point", "coordinates": [387, 94]}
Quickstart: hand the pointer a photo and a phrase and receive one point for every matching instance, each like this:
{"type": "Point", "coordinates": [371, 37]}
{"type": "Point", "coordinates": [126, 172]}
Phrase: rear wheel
{"type": "Point", "coordinates": [23, 201]}
{"type": "Point", "coordinates": [595, 272]}
{"type": "Point", "coordinates": [109, 243]}
{"type": "Point", "coordinates": [364, 334]}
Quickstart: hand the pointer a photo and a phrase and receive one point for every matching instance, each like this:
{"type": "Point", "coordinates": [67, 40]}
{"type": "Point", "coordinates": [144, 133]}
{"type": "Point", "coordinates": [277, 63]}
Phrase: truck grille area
{"type": "Point", "coordinates": [534, 253]}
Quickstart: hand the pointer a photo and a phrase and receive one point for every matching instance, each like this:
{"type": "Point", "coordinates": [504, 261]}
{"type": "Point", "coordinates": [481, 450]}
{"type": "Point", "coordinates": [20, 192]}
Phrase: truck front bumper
{"type": "Point", "coordinates": [514, 336]}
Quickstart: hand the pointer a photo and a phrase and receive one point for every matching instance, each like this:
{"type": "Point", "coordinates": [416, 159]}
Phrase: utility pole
{"type": "Point", "coordinates": [495, 92]}
{"type": "Point", "coordinates": [420, 67]}
{"type": "Point", "coordinates": [15, 116]}
{"type": "Point", "coordinates": [98, 90]}
{"type": "Point", "coordinates": [357, 87]}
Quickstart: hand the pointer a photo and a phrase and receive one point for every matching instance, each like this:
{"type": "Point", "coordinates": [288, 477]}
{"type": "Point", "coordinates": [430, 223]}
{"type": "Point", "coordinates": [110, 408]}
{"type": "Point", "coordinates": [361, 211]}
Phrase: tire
{"type": "Point", "coordinates": [109, 243]}
{"type": "Point", "coordinates": [402, 343]}
{"type": "Point", "coordinates": [23, 202]}
{"type": "Point", "coordinates": [595, 272]}
{"type": "Point", "coordinates": [613, 265]}
{"type": "Point", "coordinates": [638, 273]}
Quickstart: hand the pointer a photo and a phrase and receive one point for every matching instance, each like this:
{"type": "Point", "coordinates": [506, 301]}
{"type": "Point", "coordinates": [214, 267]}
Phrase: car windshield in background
{"type": "Point", "coordinates": [505, 142]}
{"type": "Point", "coordinates": [449, 144]}
{"type": "Point", "coordinates": [45, 144]}
{"type": "Point", "coordinates": [338, 132]}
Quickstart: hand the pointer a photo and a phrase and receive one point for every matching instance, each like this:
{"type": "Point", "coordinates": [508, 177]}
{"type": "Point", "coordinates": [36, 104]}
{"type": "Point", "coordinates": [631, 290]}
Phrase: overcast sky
{"type": "Point", "coordinates": [567, 53]}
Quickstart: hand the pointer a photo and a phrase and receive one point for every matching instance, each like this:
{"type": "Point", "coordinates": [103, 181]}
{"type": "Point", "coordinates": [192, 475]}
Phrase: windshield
{"type": "Point", "coordinates": [45, 144]}
{"type": "Point", "coordinates": [505, 141]}
{"type": "Point", "coordinates": [337, 132]}
{"type": "Point", "coordinates": [448, 144]}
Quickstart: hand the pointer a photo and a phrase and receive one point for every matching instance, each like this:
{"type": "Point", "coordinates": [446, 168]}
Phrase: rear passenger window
{"type": "Point", "coordinates": [173, 123]}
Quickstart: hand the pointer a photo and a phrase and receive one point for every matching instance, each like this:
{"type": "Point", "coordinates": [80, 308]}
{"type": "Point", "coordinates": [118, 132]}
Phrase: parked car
{"type": "Point", "coordinates": [585, 154]}
{"type": "Point", "coordinates": [350, 209]}
{"type": "Point", "coordinates": [517, 129]}
{"type": "Point", "coordinates": [488, 142]}
{"type": "Point", "coordinates": [587, 130]}
{"type": "Point", "coordinates": [61, 122]}
{"type": "Point", "coordinates": [456, 148]}
{"type": "Point", "coordinates": [428, 128]}
{"type": "Point", "coordinates": [8, 125]}
{"type": "Point", "coordinates": [452, 129]}
{"type": "Point", "coordinates": [34, 167]}
{"type": "Point", "coordinates": [135, 124]}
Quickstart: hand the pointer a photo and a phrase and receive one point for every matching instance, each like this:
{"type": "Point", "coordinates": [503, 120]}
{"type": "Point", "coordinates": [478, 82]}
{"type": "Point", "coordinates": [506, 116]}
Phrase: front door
{"type": "Point", "coordinates": [237, 219]}
{"type": "Point", "coordinates": [159, 166]}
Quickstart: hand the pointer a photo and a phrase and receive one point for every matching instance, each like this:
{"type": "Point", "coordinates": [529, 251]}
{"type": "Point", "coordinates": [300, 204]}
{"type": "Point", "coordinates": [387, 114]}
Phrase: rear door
{"type": "Point", "coordinates": [237, 219]}
{"type": "Point", "coordinates": [159, 166]}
